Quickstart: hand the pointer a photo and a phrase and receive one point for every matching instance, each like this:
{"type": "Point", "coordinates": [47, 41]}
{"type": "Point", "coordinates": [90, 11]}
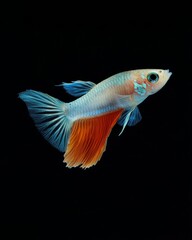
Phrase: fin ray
{"type": "Point", "coordinates": [135, 117]}
{"type": "Point", "coordinates": [78, 88]}
{"type": "Point", "coordinates": [88, 139]}
{"type": "Point", "coordinates": [129, 118]}
{"type": "Point", "coordinates": [49, 117]}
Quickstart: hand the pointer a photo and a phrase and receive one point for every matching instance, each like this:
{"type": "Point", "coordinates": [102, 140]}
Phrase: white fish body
{"type": "Point", "coordinates": [81, 127]}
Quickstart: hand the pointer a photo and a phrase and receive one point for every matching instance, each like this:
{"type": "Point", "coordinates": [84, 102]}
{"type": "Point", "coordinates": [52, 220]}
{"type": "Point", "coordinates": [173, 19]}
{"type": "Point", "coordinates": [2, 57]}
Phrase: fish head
{"type": "Point", "coordinates": [152, 80]}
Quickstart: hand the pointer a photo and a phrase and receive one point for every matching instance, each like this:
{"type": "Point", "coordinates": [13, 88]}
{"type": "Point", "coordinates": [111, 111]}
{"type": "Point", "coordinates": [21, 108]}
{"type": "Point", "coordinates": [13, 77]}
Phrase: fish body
{"type": "Point", "coordinates": [107, 95]}
{"type": "Point", "coordinates": [81, 128]}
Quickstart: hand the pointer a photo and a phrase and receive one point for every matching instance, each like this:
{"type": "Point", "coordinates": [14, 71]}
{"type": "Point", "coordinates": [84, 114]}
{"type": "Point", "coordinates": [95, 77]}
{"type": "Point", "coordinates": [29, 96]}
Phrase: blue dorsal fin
{"type": "Point", "coordinates": [130, 118]}
{"type": "Point", "coordinates": [77, 88]}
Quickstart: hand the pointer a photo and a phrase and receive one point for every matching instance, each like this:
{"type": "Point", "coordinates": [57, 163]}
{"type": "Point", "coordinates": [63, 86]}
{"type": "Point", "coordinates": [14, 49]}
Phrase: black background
{"type": "Point", "coordinates": [140, 188]}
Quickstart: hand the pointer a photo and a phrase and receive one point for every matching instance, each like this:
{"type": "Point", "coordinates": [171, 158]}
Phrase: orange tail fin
{"type": "Point", "coordinates": [88, 139]}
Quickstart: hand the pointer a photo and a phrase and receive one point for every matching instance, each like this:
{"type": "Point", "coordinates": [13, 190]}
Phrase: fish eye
{"type": "Point", "coordinates": [153, 77]}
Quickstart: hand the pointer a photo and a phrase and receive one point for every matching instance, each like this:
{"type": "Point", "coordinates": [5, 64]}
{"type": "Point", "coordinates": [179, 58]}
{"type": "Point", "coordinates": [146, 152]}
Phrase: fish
{"type": "Point", "coordinates": [80, 128]}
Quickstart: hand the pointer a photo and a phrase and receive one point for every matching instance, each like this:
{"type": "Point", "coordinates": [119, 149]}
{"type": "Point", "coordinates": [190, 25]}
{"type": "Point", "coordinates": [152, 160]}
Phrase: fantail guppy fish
{"type": "Point", "coordinates": [81, 128]}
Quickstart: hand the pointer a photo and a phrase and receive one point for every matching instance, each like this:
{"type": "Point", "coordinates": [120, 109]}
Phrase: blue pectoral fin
{"type": "Point", "coordinates": [135, 117]}
{"type": "Point", "coordinates": [49, 117]}
{"type": "Point", "coordinates": [130, 118]}
{"type": "Point", "coordinates": [77, 88]}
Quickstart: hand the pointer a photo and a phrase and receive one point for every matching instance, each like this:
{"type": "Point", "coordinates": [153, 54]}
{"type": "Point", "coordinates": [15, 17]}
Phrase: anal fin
{"type": "Point", "coordinates": [88, 139]}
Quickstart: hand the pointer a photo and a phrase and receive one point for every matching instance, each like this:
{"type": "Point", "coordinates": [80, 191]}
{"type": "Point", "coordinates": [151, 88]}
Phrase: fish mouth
{"type": "Point", "coordinates": [168, 73]}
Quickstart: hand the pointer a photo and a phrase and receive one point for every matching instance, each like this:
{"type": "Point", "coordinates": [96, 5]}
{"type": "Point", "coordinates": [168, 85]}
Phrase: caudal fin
{"type": "Point", "coordinates": [49, 116]}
